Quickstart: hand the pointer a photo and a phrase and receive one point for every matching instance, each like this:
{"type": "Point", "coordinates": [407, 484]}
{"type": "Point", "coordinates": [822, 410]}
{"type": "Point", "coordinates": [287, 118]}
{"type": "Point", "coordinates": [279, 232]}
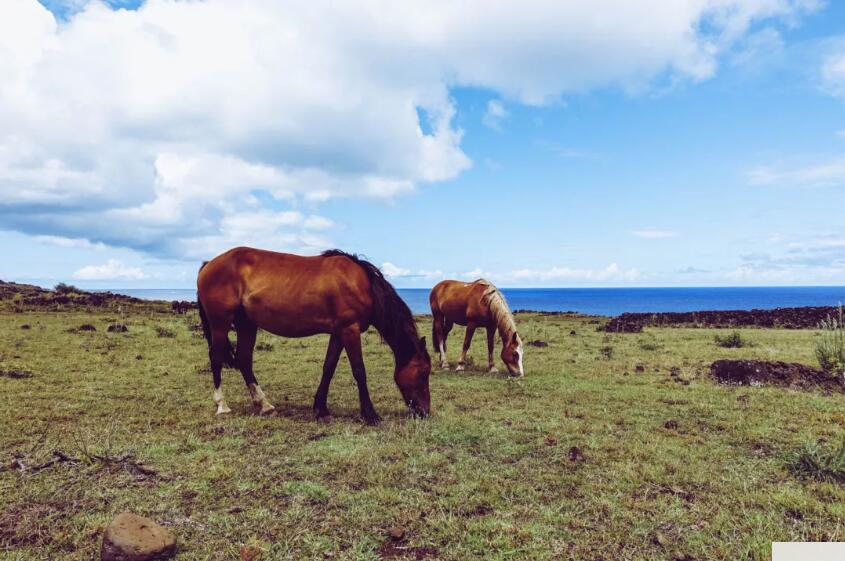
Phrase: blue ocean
{"type": "Point", "coordinates": [609, 301]}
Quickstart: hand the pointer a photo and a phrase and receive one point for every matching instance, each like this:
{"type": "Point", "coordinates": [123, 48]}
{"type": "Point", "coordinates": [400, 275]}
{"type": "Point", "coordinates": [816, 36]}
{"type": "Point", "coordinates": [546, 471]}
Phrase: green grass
{"type": "Point", "coordinates": [488, 476]}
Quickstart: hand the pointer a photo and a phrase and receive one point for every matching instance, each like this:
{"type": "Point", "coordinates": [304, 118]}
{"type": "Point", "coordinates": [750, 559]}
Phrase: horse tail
{"type": "Point", "coordinates": [390, 315]}
{"type": "Point", "coordinates": [206, 328]}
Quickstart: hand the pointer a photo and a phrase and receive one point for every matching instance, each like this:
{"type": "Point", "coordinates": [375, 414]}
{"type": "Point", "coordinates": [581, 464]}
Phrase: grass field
{"type": "Point", "coordinates": [666, 467]}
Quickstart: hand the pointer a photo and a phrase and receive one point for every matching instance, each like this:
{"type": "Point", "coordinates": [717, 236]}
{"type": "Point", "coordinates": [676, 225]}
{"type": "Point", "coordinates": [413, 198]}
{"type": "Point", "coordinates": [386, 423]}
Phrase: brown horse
{"type": "Point", "coordinates": [294, 296]}
{"type": "Point", "coordinates": [475, 304]}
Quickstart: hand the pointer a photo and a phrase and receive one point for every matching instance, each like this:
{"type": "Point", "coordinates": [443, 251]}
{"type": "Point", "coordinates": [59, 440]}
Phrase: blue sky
{"type": "Point", "coordinates": [706, 149]}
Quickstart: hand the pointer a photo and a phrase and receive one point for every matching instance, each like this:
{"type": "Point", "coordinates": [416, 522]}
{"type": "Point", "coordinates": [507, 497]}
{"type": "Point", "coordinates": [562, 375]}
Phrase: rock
{"type": "Point", "coordinates": [250, 552]}
{"type": "Point", "coordinates": [639, 368]}
{"type": "Point", "coordinates": [396, 533]}
{"type": "Point", "coordinates": [572, 333]}
{"type": "Point", "coordinates": [674, 372]}
{"type": "Point", "coordinates": [117, 328]}
{"type": "Point", "coordinates": [25, 326]}
{"type": "Point", "coordinates": [575, 455]}
{"type": "Point", "coordinates": [134, 538]}
{"type": "Point", "coordinates": [671, 424]}
{"type": "Point", "coordinates": [87, 327]}
{"type": "Point", "coordinates": [538, 343]}
{"type": "Point", "coordinates": [774, 373]}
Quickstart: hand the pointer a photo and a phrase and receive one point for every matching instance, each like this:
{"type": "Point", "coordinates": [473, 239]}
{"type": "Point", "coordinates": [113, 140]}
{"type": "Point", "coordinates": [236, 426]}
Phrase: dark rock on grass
{"type": "Point", "coordinates": [639, 368]}
{"type": "Point", "coordinates": [15, 373]}
{"type": "Point", "coordinates": [807, 317]}
{"type": "Point", "coordinates": [774, 373]}
{"type": "Point", "coordinates": [134, 538]}
{"type": "Point", "coordinates": [674, 372]}
{"type": "Point", "coordinates": [572, 333]}
{"type": "Point", "coordinates": [25, 327]}
{"type": "Point", "coordinates": [117, 328]}
{"type": "Point", "coordinates": [575, 455]}
{"type": "Point", "coordinates": [671, 424]}
{"type": "Point", "coordinates": [87, 327]}
{"type": "Point", "coordinates": [538, 343]}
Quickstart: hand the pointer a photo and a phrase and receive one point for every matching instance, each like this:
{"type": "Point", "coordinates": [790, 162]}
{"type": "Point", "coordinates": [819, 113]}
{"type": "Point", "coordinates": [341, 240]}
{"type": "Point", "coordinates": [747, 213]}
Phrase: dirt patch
{"type": "Point", "coordinates": [807, 317]}
{"type": "Point", "coordinates": [392, 549]}
{"type": "Point", "coordinates": [538, 343]}
{"type": "Point", "coordinates": [784, 374]}
{"type": "Point", "coordinates": [15, 373]}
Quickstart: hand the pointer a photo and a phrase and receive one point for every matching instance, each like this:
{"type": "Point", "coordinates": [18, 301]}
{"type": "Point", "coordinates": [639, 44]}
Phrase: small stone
{"type": "Point", "coordinates": [660, 539]}
{"type": "Point", "coordinates": [639, 368]}
{"type": "Point", "coordinates": [250, 552]}
{"type": "Point", "coordinates": [671, 424]}
{"type": "Point", "coordinates": [117, 328]}
{"type": "Point", "coordinates": [130, 537]}
{"type": "Point", "coordinates": [575, 455]}
{"type": "Point", "coordinates": [396, 533]}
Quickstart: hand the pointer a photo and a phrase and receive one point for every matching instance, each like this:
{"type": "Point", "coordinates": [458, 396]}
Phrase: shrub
{"type": "Point", "coordinates": [63, 288]}
{"type": "Point", "coordinates": [822, 464]}
{"type": "Point", "coordinates": [830, 348]}
{"type": "Point", "coordinates": [733, 340]}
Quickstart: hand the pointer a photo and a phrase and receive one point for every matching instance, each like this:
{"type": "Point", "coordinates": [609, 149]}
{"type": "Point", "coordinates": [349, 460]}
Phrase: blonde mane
{"type": "Point", "coordinates": [498, 306]}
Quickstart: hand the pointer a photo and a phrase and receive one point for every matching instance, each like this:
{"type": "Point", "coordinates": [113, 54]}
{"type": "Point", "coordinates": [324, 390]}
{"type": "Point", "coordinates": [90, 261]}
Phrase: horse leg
{"type": "Point", "coordinates": [351, 338]}
{"type": "Point", "coordinates": [329, 367]}
{"type": "Point", "coordinates": [218, 353]}
{"type": "Point", "coordinates": [467, 342]}
{"type": "Point", "coordinates": [247, 331]}
{"type": "Point", "coordinates": [439, 335]}
{"type": "Point", "coordinates": [491, 335]}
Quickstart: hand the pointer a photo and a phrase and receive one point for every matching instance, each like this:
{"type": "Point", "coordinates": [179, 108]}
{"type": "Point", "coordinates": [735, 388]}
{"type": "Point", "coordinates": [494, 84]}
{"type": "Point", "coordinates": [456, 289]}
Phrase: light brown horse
{"type": "Point", "coordinates": [475, 304]}
{"type": "Point", "coordinates": [294, 296]}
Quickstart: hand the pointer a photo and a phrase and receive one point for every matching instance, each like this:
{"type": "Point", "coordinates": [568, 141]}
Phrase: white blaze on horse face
{"type": "Point", "coordinates": [221, 403]}
{"type": "Point", "coordinates": [259, 399]}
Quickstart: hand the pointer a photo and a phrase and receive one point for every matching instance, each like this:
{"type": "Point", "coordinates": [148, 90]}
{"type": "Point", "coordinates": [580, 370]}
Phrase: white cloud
{"type": "Point", "coordinates": [391, 270]}
{"type": "Point", "coordinates": [820, 174]}
{"type": "Point", "coordinates": [111, 270]}
{"type": "Point", "coordinates": [495, 114]}
{"type": "Point", "coordinates": [152, 128]}
{"type": "Point", "coordinates": [565, 274]}
{"type": "Point", "coordinates": [833, 74]}
{"type": "Point", "coordinates": [70, 242]}
{"type": "Point", "coordinates": [654, 234]}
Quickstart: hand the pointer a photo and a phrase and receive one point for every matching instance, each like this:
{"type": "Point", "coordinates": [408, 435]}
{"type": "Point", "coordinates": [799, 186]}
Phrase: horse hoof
{"type": "Point", "coordinates": [266, 409]}
{"type": "Point", "coordinates": [459, 368]}
{"type": "Point", "coordinates": [494, 370]}
{"type": "Point", "coordinates": [372, 420]}
{"type": "Point", "coordinates": [222, 410]}
{"type": "Point", "coordinates": [444, 366]}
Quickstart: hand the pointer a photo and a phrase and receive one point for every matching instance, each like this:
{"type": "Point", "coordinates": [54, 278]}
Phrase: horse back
{"type": "Point", "coordinates": [459, 302]}
{"type": "Point", "coordinates": [286, 294]}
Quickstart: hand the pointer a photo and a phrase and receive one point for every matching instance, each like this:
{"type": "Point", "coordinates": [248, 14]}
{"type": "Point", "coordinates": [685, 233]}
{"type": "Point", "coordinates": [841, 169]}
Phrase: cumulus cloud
{"type": "Point", "coordinates": [495, 114]}
{"type": "Point", "coordinates": [111, 270]}
{"type": "Point", "coordinates": [565, 274]}
{"type": "Point", "coordinates": [153, 128]}
{"type": "Point", "coordinates": [391, 270]}
{"type": "Point", "coordinates": [654, 234]}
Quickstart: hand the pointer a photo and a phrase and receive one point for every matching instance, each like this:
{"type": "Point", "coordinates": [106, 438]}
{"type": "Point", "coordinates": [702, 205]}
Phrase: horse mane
{"type": "Point", "coordinates": [495, 301]}
{"type": "Point", "coordinates": [391, 315]}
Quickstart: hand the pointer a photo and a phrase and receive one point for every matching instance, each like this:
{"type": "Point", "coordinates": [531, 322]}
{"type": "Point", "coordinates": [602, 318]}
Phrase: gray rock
{"type": "Point", "coordinates": [134, 538]}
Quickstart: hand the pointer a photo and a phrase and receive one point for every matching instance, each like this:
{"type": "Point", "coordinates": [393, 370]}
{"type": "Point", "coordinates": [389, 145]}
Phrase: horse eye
{"type": "Point", "coordinates": [516, 356]}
